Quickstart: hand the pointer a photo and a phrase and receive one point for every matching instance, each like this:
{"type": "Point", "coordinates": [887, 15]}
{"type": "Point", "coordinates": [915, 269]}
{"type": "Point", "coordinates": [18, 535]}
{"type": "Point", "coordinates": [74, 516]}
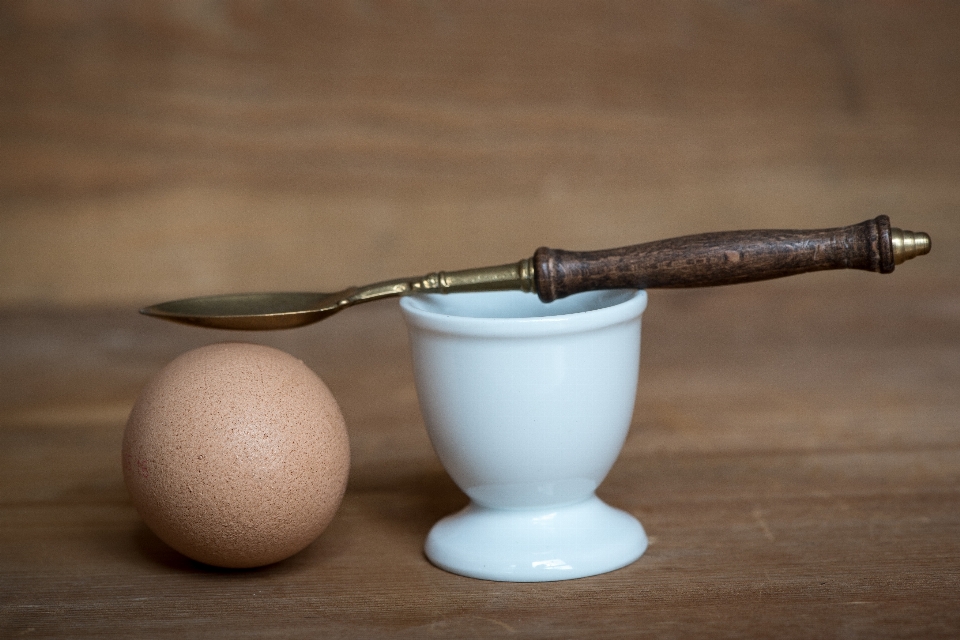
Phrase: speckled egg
{"type": "Point", "coordinates": [236, 455]}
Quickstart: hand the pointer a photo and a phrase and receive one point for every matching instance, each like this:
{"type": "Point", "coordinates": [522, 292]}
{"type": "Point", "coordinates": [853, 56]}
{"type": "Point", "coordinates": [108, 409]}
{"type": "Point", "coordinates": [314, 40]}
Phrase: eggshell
{"type": "Point", "coordinates": [236, 455]}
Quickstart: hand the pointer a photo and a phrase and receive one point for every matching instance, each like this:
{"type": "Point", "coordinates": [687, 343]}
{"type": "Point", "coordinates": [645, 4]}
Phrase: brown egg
{"type": "Point", "coordinates": [236, 455]}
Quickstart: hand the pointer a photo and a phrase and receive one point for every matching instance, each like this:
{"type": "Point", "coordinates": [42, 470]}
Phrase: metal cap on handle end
{"type": "Point", "coordinates": [908, 244]}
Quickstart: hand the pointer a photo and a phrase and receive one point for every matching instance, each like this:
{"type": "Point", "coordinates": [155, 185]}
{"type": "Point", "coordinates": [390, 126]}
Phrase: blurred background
{"type": "Point", "coordinates": [161, 149]}
{"type": "Point", "coordinates": [795, 448]}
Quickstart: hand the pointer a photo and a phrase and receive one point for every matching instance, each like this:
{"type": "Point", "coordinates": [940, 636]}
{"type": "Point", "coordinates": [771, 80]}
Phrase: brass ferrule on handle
{"type": "Point", "coordinates": [908, 244]}
{"type": "Point", "coordinates": [516, 276]}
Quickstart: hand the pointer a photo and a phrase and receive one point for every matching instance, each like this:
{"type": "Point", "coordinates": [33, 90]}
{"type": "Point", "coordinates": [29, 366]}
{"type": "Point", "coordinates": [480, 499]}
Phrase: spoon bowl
{"type": "Point", "coordinates": [252, 311]}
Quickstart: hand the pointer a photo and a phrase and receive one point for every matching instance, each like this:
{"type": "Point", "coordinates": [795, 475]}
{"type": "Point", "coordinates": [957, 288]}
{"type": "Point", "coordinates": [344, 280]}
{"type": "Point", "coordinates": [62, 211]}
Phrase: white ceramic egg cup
{"type": "Point", "coordinates": [527, 405]}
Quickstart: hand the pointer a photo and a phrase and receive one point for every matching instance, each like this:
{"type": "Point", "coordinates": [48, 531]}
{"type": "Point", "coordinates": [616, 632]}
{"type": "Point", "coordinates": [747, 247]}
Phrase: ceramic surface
{"type": "Point", "coordinates": [527, 405]}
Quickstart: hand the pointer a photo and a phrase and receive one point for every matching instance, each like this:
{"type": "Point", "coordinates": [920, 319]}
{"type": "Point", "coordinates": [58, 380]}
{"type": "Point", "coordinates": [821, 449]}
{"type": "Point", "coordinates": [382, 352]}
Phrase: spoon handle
{"type": "Point", "coordinates": [729, 257]}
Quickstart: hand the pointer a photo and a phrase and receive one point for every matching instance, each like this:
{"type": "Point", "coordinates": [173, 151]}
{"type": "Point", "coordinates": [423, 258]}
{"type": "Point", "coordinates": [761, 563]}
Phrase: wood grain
{"type": "Point", "coordinates": [715, 259]}
{"type": "Point", "coordinates": [158, 150]}
{"type": "Point", "coordinates": [793, 456]}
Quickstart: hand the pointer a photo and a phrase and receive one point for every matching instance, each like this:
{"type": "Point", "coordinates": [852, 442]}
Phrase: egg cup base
{"type": "Point", "coordinates": [536, 545]}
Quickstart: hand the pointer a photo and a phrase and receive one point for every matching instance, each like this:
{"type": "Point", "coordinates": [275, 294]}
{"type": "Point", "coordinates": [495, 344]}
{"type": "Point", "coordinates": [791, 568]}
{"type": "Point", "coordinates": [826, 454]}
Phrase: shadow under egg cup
{"type": "Point", "coordinates": [527, 405]}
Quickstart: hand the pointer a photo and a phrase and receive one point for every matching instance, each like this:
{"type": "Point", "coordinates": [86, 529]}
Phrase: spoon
{"type": "Point", "coordinates": [702, 260]}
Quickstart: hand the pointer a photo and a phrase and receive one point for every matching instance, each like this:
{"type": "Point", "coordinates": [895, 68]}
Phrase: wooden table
{"type": "Point", "coordinates": [794, 459]}
{"type": "Point", "coordinates": [795, 454]}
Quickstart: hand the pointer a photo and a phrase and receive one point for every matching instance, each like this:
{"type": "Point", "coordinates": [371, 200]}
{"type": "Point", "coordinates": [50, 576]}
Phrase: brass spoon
{"type": "Point", "coordinates": [707, 259]}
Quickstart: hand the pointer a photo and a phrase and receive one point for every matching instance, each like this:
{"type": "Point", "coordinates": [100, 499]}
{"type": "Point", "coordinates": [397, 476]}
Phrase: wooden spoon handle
{"type": "Point", "coordinates": [711, 259]}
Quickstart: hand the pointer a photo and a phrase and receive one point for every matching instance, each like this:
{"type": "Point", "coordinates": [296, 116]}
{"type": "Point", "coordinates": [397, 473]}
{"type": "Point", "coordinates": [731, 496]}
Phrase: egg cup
{"type": "Point", "coordinates": [527, 405]}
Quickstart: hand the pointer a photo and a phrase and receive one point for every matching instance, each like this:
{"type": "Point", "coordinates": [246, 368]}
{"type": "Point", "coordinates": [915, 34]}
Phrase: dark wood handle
{"type": "Point", "coordinates": [711, 259]}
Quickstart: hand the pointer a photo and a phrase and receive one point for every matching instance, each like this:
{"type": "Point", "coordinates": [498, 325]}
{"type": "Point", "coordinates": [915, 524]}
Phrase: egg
{"type": "Point", "coordinates": [236, 455]}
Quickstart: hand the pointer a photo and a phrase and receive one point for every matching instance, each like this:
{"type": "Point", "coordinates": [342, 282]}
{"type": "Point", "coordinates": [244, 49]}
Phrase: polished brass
{"type": "Point", "coordinates": [265, 311]}
{"type": "Point", "coordinates": [908, 244]}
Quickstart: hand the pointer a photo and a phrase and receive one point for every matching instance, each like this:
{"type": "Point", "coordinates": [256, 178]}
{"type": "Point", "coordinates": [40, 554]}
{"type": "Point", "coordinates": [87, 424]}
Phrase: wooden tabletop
{"type": "Point", "coordinates": [793, 457]}
{"type": "Point", "coordinates": [795, 451]}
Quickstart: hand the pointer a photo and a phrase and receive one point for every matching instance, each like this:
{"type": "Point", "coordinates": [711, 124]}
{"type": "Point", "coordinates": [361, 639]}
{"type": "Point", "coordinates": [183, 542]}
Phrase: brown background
{"type": "Point", "coordinates": [795, 453]}
{"type": "Point", "coordinates": [151, 150]}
